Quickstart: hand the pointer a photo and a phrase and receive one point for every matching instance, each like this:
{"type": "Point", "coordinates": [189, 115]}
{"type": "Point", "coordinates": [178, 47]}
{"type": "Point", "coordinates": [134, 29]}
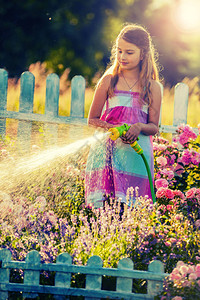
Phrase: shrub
{"type": "Point", "coordinates": [49, 215]}
{"type": "Point", "coordinates": [183, 283]}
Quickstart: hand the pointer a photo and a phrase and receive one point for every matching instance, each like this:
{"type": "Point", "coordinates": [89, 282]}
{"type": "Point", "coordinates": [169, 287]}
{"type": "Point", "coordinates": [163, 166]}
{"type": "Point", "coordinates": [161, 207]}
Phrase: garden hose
{"type": "Point", "coordinates": [115, 133]}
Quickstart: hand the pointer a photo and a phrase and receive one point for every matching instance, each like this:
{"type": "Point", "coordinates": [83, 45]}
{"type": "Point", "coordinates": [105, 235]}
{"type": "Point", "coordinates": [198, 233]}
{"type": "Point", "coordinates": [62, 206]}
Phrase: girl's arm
{"type": "Point", "coordinates": [151, 128]}
{"type": "Point", "coordinates": [98, 102]}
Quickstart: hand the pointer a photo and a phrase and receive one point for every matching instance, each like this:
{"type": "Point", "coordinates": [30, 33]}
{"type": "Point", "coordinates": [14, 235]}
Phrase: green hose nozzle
{"type": "Point", "coordinates": [115, 133]}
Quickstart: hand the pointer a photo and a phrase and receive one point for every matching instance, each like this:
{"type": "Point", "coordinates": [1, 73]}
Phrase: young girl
{"type": "Point", "coordinates": [128, 92]}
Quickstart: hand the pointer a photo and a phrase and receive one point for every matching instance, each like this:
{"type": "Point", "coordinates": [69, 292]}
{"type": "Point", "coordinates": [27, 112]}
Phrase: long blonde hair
{"type": "Point", "coordinates": [139, 36]}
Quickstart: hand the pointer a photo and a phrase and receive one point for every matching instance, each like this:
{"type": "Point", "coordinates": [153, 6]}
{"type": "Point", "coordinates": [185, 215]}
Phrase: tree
{"type": "Point", "coordinates": [62, 33]}
{"type": "Point", "coordinates": [25, 34]}
{"type": "Point", "coordinates": [79, 35]}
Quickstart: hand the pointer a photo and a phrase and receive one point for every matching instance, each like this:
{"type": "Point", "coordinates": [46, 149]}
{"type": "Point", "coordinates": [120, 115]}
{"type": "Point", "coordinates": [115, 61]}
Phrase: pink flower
{"type": "Point", "coordinates": [178, 193]}
{"type": "Point", "coordinates": [183, 139]}
{"type": "Point", "coordinates": [183, 270]}
{"type": "Point", "coordinates": [185, 134]}
{"type": "Point", "coordinates": [179, 169]}
{"type": "Point", "coordinates": [197, 223]}
{"type": "Point", "coordinates": [175, 276]}
{"type": "Point", "coordinates": [197, 258]}
{"type": "Point", "coordinates": [190, 193]}
{"type": "Point", "coordinates": [164, 192]}
{"type": "Point", "coordinates": [168, 244]}
{"type": "Point", "coordinates": [177, 298]}
{"type": "Point", "coordinates": [162, 161]}
{"type": "Point", "coordinates": [161, 183]}
{"type": "Point", "coordinates": [155, 146]}
{"type": "Point", "coordinates": [158, 175]}
{"type": "Point", "coordinates": [160, 192]}
{"type": "Point", "coordinates": [198, 282]}
{"type": "Point", "coordinates": [180, 263]}
{"type": "Point", "coordinates": [161, 147]}
{"type": "Point", "coordinates": [198, 267]}
{"type": "Point", "coordinates": [186, 157]}
{"type": "Point", "coordinates": [169, 174]}
{"type": "Point", "coordinates": [169, 207]}
{"type": "Point", "coordinates": [174, 144]}
{"type": "Point", "coordinates": [197, 274]}
{"type": "Point", "coordinates": [192, 276]}
{"type": "Point", "coordinates": [172, 240]}
{"type": "Point", "coordinates": [191, 269]}
{"type": "Point", "coordinates": [170, 158]}
{"type": "Point", "coordinates": [169, 194]}
{"type": "Point", "coordinates": [178, 217]}
{"type": "Point", "coordinates": [198, 194]}
{"type": "Point", "coordinates": [195, 158]}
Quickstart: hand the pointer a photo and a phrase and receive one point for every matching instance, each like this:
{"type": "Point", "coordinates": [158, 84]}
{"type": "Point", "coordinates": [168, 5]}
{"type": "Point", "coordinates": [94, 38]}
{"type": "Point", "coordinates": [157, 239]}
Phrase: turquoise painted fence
{"type": "Point", "coordinates": [51, 117]}
{"type": "Point", "coordinates": [64, 269]}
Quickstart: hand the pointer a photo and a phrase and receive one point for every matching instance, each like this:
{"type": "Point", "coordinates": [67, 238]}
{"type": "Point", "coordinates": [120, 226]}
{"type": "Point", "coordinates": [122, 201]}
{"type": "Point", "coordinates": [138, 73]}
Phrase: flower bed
{"type": "Point", "coordinates": [50, 216]}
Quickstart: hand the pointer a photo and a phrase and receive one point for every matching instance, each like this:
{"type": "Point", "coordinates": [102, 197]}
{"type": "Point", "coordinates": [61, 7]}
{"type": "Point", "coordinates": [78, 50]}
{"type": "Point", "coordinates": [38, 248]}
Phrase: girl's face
{"type": "Point", "coordinates": [128, 55]}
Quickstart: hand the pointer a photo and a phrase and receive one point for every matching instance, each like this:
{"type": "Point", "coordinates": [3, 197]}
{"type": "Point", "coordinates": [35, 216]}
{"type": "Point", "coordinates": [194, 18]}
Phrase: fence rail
{"type": "Point", "coordinates": [51, 118]}
{"type": "Point", "coordinates": [63, 268]}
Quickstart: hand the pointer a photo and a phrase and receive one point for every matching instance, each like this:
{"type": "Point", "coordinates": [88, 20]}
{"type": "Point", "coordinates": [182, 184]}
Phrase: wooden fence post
{"type": "Point", "coordinates": [63, 279]}
{"type": "Point", "coordinates": [77, 106]}
{"type": "Point", "coordinates": [154, 287]}
{"type": "Point", "coordinates": [125, 284]}
{"type": "Point", "coordinates": [51, 107]}
{"type": "Point", "coordinates": [5, 256]}
{"type": "Point", "coordinates": [94, 282]}
{"type": "Point", "coordinates": [181, 95]}
{"type": "Point", "coordinates": [77, 97]}
{"type": "Point", "coordinates": [27, 84]}
{"type": "Point", "coordinates": [3, 99]}
{"type": "Point", "coordinates": [32, 277]}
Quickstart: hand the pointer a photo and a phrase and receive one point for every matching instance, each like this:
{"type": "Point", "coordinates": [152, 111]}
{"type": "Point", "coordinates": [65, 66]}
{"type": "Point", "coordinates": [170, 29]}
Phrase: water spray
{"type": "Point", "coordinates": [115, 133]}
{"type": "Point", "coordinates": [27, 169]}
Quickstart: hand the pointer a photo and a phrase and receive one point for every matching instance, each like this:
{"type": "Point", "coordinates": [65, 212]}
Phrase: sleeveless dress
{"type": "Point", "coordinates": [113, 166]}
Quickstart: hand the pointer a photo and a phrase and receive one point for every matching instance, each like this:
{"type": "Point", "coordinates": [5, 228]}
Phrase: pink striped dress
{"type": "Point", "coordinates": [112, 166]}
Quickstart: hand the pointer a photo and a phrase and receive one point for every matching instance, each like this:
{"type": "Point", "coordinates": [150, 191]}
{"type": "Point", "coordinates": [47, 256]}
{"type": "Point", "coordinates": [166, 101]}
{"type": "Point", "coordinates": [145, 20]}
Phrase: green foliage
{"type": "Point", "coordinates": [50, 216]}
{"type": "Point", "coordinates": [64, 34]}
{"type": "Point", "coordinates": [78, 35]}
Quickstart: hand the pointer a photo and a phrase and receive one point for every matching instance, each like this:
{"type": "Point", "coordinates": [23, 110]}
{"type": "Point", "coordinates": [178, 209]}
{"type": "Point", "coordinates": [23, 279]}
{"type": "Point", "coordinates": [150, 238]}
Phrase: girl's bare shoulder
{"type": "Point", "coordinates": [104, 82]}
{"type": "Point", "coordinates": [156, 91]}
{"type": "Point", "coordinates": [156, 86]}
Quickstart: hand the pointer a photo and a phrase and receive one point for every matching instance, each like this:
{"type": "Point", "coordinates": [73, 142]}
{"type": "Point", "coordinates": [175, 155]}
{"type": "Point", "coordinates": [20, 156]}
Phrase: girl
{"type": "Point", "coordinates": [131, 93]}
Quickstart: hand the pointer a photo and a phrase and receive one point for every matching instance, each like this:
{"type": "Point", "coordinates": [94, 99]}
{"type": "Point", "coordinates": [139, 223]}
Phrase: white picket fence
{"type": "Point", "coordinates": [64, 269]}
{"type": "Point", "coordinates": [51, 118]}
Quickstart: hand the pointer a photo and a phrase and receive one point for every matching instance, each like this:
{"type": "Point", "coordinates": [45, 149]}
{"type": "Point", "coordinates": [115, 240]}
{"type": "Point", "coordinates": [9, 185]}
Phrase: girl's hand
{"type": "Point", "coordinates": [132, 134]}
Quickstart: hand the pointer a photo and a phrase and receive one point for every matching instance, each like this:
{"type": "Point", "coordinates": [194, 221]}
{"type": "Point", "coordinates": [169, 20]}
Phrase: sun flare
{"type": "Point", "coordinates": [187, 15]}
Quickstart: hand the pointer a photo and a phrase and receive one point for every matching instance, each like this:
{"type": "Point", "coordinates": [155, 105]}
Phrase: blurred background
{"type": "Point", "coordinates": [75, 37]}
{"type": "Point", "coordinates": [78, 35]}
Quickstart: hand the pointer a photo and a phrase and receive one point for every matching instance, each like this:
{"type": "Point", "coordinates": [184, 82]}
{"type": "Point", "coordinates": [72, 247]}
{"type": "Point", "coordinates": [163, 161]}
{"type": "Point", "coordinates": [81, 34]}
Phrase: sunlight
{"type": "Point", "coordinates": [187, 15]}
